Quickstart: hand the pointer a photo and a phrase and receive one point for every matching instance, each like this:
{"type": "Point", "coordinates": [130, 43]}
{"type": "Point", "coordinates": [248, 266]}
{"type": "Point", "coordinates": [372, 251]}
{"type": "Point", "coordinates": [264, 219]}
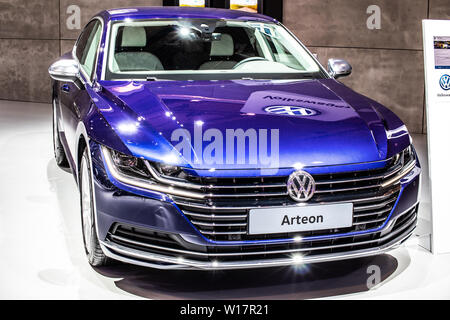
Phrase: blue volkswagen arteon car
{"type": "Point", "coordinates": [213, 139]}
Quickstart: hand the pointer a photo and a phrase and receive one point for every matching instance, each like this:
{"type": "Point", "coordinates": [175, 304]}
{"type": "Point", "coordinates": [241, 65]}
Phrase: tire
{"type": "Point", "coordinates": [60, 155]}
{"type": "Point", "coordinates": [94, 252]}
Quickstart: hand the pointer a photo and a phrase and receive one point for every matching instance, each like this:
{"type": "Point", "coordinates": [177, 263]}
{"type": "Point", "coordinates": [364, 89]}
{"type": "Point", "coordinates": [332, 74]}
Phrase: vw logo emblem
{"type": "Point", "coordinates": [301, 186]}
{"type": "Point", "coordinates": [445, 82]}
{"type": "Point", "coordinates": [291, 111]}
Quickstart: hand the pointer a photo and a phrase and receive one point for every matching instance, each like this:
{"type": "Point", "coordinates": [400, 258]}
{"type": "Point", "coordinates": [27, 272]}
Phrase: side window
{"type": "Point", "coordinates": [87, 46]}
{"type": "Point", "coordinates": [83, 39]}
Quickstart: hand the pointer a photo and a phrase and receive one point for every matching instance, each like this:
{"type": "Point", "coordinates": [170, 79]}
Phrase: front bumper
{"type": "Point", "coordinates": [148, 229]}
{"type": "Point", "coordinates": [146, 259]}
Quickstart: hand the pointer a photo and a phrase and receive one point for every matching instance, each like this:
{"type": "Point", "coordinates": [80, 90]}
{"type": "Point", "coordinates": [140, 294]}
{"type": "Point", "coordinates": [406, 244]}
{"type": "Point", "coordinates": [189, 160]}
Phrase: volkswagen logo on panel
{"type": "Point", "coordinates": [291, 111]}
{"type": "Point", "coordinates": [445, 82]}
{"type": "Point", "coordinates": [301, 186]}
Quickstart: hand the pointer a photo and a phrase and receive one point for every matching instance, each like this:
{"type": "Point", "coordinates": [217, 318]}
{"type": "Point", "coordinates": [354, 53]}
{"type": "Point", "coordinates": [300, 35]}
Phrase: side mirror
{"type": "Point", "coordinates": [338, 68]}
{"type": "Point", "coordinates": [65, 70]}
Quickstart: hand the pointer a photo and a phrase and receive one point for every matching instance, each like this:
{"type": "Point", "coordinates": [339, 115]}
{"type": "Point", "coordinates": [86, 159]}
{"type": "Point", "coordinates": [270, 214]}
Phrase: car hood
{"type": "Point", "coordinates": [334, 126]}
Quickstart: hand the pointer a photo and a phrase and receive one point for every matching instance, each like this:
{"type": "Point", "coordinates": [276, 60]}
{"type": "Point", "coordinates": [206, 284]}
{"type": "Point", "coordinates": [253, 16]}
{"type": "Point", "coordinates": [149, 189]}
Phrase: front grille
{"type": "Point", "coordinates": [168, 245]}
{"type": "Point", "coordinates": [223, 215]}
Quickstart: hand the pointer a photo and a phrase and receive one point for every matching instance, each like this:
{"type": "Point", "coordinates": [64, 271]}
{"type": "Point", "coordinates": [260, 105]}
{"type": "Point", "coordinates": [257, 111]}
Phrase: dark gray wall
{"type": "Point", "coordinates": [29, 42]}
{"type": "Point", "coordinates": [387, 62]}
{"type": "Point", "coordinates": [33, 33]}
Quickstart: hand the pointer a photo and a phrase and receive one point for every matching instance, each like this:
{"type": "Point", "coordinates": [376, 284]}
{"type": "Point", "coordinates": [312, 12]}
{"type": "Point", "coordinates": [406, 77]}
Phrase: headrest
{"type": "Point", "coordinates": [134, 37]}
{"type": "Point", "coordinates": [223, 47]}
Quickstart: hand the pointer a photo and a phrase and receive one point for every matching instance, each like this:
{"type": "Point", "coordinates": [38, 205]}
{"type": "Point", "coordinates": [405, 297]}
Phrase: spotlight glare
{"type": "Point", "coordinates": [184, 31]}
{"type": "Point", "coordinates": [298, 165]}
{"type": "Point", "coordinates": [128, 128]}
{"type": "Point", "coordinates": [297, 258]}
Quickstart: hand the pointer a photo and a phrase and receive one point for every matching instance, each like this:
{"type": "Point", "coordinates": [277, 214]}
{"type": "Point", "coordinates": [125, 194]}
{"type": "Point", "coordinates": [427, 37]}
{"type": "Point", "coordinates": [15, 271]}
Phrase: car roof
{"type": "Point", "coordinates": [180, 13]}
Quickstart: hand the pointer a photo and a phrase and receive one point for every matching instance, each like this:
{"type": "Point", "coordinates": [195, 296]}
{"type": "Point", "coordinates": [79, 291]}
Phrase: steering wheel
{"type": "Point", "coordinates": [240, 63]}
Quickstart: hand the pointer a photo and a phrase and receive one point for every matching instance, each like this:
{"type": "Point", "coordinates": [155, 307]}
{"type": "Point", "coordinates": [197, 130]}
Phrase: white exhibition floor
{"type": "Point", "coordinates": [41, 253]}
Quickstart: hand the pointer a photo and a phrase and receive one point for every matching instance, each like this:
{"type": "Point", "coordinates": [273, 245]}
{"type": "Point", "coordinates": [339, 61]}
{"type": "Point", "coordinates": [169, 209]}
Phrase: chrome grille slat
{"type": "Point", "coordinates": [222, 233]}
{"type": "Point", "coordinates": [217, 217]}
{"type": "Point", "coordinates": [374, 206]}
{"type": "Point", "coordinates": [361, 215]}
{"type": "Point", "coordinates": [279, 194]}
{"type": "Point", "coordinates": [218, 224]}
{"type": "Point", "coordinates": [247, 195]}
{"type": "Point", "coordinates": [347, 189]}
{"type": "Point", "coordinates": [369, 221]}
{"type": "Point", "coordinates": [249, 186]}
{"type": "Point", "coordinates": [374, 177]}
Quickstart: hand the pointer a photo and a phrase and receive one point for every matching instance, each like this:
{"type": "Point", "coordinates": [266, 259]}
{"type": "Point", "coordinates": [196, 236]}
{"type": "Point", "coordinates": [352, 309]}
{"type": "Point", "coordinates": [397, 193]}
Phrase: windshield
{"type": "Point", "coordinates": [208, 49]}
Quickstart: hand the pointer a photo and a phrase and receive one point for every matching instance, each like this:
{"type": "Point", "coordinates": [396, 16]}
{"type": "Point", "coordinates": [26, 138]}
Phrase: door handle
{"type": "Point", "coordinates": [65, 88]}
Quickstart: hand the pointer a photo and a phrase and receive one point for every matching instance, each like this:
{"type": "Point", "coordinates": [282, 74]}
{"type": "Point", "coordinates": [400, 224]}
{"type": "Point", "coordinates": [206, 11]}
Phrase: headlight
{"type": "Point", "coordinates": [405, 156]}
{"type": "Point", "coordinates": [168, 170]}
{"type": "Point", "coordinates": [128, 164]}
{"type": "Point", "coordinates": [407, 160]}
{"type": "Point", "coordinates": [140, 173]}
{"type": "Point", "coordinates": [131, 166]}
{"type": "Point", "coordinates": [408, 154]}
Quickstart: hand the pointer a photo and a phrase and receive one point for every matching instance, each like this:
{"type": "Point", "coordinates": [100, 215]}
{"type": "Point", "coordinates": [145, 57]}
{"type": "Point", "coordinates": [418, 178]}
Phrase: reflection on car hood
{"type": "Point", "coordinates": [319, 122]}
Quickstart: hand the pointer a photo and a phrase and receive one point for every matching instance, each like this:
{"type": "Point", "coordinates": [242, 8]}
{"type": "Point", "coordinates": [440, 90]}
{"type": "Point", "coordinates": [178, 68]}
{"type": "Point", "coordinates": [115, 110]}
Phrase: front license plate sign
{"type": "Point", "coordinates": [301, 218]}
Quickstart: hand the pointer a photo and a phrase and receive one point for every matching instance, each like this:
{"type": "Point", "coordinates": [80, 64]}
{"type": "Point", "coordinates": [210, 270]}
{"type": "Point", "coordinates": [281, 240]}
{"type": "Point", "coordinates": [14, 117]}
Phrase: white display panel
{"type": "Point", "coordinates": [192, 3]}
{"type": "Point", "coordinates": [436, 34]}
{"type": "Point", "coordinates": [245, 5]}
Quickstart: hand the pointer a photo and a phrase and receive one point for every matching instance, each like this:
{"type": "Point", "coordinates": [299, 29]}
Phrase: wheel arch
{"type": "Point", "coordinates": [81, 144]}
